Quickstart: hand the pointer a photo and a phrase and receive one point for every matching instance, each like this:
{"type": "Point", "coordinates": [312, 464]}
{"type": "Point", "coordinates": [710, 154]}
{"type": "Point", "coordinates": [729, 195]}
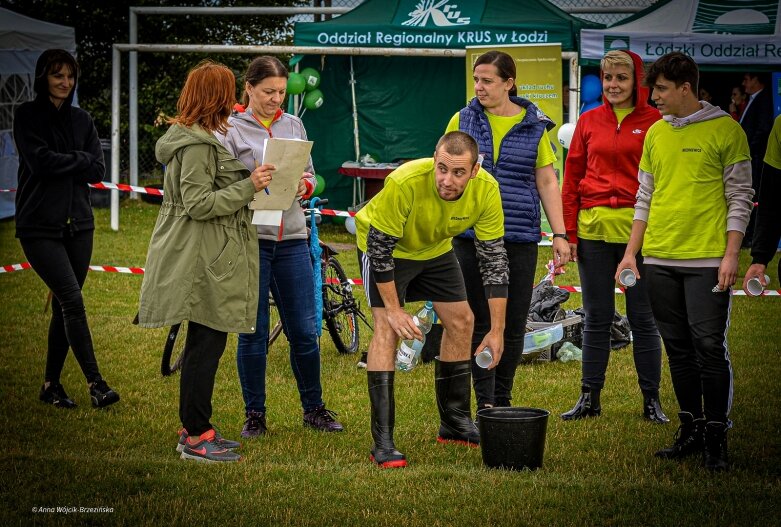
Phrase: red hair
{"type": "Point", "coordinates": [207, 98]}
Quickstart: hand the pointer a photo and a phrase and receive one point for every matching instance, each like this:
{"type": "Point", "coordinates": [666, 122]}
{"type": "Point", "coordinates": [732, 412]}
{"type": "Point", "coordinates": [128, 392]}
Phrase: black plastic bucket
{"type": "Point", "coordinates": [513, 438]}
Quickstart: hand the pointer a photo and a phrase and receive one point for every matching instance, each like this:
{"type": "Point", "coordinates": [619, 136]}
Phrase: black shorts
{"type": "Point", "coordinates": [438, 280]}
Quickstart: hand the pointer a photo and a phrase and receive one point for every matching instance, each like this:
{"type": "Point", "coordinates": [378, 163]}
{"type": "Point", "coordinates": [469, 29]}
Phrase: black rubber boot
{"type": "Point", "coordinates": [716, 446]}
{"type": "Point", "coordinates": [384, 452]}
{"type": "Point", "coordinates": [652, 410]}
{"type": "Point", "coordinates": [688, 439]}
{"type": "Point", "coordinates": [587, 406]}
{"type": "Point", "coordinates": [454, 390]}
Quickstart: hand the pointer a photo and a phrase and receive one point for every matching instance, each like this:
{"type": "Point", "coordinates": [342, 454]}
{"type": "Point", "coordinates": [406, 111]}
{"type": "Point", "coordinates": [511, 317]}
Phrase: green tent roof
{"type": "Point", "coordinates": [445, 24]}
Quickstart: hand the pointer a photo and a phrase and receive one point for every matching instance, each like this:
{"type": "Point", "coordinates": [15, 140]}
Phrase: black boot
{"type": "Point", "coordinates": [688, 438]}
{"type": "Point", "coordinates": [716, 446]}
{"type": "Point", "coordinates": [587, 406]}
{"type": "Point", "coordinates": [454, 390]}
{"type": "Point", "coordinates": [384, 452]}
{"type": "Point", "coordinates": [652, 410]}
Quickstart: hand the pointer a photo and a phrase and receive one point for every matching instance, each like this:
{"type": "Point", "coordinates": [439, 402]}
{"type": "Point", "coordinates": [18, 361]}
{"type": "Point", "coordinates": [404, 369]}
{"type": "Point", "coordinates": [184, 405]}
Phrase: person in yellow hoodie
{"type": "Point", "coordinates": [202, 262]}
{"type": "Point", "coordinates": [692, 209]}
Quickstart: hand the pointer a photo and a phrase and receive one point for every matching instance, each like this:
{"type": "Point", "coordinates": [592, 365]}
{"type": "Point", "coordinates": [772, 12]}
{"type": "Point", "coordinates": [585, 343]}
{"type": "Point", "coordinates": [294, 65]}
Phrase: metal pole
{"type": "Point", "coordinates": [240, 10]}
{"type": "Point", "coordinates": [574, 87]}
{"type": "Point", "coordinates": [133, 104]}
{"type": "Point", "coordinates": [357, 182]}
{"type": "Point", "coordinates": [356, 138]}
{"type": "Point", "coordinates": [116, 59]}
{"type": "Point", "coordinates": [280, 50]}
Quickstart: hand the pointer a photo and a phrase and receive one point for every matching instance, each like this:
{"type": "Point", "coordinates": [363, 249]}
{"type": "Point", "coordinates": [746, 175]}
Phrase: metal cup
{"type": "Point", "coordinates": [754, 287]}
{"type": "Point", "coordinates": [484, 358]}
{"type": "Point", "coordinates": [627, 278]}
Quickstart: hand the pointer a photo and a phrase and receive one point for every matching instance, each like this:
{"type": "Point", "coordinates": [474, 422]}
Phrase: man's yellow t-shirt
{"type": "Point", "coordinates": [773, 152]}
{"type": "Point", "coordinates": [688, 215]}
{"type": "Point", "coordinates": [409, 208]}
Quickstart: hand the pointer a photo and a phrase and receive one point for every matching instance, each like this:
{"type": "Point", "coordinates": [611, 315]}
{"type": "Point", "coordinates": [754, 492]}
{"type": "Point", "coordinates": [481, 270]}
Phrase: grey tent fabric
{"type": "Point", "coordinates": [22, 39]}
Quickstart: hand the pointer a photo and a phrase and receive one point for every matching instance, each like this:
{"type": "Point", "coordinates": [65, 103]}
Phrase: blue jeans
{"type": "Point", "coordinates": [286, 268]}
{"type": "Point", "coordinates": [597, 262]}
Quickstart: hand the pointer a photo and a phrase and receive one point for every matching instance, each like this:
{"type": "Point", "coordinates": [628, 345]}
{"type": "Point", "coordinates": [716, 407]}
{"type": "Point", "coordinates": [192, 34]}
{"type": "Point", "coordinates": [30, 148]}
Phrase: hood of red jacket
{"type": "Point", "coordinates": [641, 91]}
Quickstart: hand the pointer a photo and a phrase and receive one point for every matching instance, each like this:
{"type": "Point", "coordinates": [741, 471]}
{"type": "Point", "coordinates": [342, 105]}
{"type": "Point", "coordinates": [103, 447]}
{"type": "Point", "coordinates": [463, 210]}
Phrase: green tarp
{"type": "Point", "coordinates": [404, 104]}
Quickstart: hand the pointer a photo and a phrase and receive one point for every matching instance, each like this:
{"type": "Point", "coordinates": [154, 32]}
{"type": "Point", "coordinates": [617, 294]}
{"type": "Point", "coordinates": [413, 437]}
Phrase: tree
{"type": "Point", "coordinates": [99, 24]}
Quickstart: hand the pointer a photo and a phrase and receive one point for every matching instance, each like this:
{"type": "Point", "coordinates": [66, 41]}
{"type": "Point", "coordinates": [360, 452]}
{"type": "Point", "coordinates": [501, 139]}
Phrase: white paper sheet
{"type": "Point", "coordinates": [290, 157]}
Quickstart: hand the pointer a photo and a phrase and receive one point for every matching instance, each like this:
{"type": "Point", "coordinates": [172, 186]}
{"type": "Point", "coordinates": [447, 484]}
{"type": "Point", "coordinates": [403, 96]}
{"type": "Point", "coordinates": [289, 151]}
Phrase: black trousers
{"type": "Point", "coordinates": [693, 322]}
{"type": "Point", "coordinates": [597, 262]}
{"type": "Point", "coordinates": [62, 264]}
{"type": "Point", "coordinates": [202, 352]}
{"type": "Point", "coordinates": [495, 386]}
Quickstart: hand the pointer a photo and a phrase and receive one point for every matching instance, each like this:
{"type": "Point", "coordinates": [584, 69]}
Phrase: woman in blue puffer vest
{"type": "Point", "coordinates": [512, 134]}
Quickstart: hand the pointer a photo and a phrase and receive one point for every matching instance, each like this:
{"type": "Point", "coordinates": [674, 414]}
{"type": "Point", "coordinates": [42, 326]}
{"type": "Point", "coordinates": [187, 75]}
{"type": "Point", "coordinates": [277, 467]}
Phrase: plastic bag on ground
{"type": "Point", "coordinates": [568, 352]}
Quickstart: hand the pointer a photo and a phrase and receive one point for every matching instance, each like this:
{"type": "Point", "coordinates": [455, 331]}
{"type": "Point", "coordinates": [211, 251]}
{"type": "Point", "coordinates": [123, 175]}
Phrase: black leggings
{"type": "Point", "coordinates": [202, 352]}
{"type": "Point", "coordinates": [495, 386]}
{"type": "Point", "coordinates": [62, 264]}
{"type": "Point", "coordinates": [597, 261]}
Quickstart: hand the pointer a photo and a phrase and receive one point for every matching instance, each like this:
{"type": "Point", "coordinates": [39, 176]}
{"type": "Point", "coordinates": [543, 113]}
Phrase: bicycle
{"type": "Point", "coordinates": [341, 311]}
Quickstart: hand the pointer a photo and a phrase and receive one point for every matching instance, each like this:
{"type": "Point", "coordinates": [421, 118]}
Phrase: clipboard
{"type": "Point", "coordinates": [290, 157]}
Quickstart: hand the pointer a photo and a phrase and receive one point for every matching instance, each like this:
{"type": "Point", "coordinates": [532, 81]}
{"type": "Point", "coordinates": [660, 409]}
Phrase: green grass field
{"type": "Point", "coordinates": [597, 472]}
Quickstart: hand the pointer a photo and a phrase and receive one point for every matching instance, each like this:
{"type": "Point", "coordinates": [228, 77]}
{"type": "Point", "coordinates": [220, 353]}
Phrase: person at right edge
{"type": "Point", "coordinates": [600, 182]}
{"type": "Point", "coordinates": [767, 231]}
{"type": "Point", "coordinates": [693, 205]}
{"type": "Point", "coordinates": [756, 120]}
{"type": "Point", "coordinates": [512, 135]}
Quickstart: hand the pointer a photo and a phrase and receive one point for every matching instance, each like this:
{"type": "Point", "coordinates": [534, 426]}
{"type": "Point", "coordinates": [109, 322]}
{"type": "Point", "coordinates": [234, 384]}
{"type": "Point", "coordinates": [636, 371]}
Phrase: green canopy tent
{"type": "Point", "coordinates": [405, 102]}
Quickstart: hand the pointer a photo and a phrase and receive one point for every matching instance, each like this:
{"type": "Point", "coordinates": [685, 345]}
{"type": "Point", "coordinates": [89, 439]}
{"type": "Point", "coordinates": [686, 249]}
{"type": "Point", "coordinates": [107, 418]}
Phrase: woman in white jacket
{"type": "Point", "coordinates": [285, 263]}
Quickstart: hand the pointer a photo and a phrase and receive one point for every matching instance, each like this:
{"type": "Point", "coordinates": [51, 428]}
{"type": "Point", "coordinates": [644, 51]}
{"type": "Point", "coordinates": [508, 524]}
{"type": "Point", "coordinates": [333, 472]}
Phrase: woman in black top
{"type": "Point", "coordinates": [59, 154]}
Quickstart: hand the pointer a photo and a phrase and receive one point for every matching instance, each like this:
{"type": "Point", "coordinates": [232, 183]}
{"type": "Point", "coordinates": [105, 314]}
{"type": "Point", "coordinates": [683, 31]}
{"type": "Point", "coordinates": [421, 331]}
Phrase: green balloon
{"type": "Point", "coordinates": [320, 187]}
{"type": "Point", "coordinates": [313, 100]}
{"type": "Point", "coordinates": [295, 83]}
{"type": "Point", "coordinates": [312, 78]}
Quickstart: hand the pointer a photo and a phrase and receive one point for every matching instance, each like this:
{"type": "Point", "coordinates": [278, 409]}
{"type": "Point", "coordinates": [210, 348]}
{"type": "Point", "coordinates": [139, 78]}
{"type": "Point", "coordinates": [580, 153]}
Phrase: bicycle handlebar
{"type": "Point", "coordinates": [320, 202]}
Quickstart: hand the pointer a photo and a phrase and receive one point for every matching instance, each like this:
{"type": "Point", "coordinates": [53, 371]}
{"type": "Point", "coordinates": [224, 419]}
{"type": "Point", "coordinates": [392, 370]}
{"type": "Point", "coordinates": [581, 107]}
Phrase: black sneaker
{"type": "Point", "coordinates": [56, 396]}
{"type": "Point", "coordinates": [255, 424]}
{"type": "Point", "coordinates": [102, 395]}
{"type": "Point", "coordinates": [322, 419]}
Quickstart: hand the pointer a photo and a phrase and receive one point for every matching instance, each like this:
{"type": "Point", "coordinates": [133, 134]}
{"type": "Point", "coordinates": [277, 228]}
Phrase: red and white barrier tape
{"type": "Point", "coordinates": [113, 269]}
{"type": "Point", "coordinates": [105, 185]}
{"type": "Point", "coordinates": [352, 281]}
{"type": "Point", "coordinates": [14, 267]}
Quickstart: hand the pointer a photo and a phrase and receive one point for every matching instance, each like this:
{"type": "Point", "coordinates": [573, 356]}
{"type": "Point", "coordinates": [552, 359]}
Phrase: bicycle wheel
{"type": "Point", "coordinates": [274, 322]}
{"type": "Point", "coordinates": [339, 307]}
{"type": "Point", "coordinates": [174, 349]}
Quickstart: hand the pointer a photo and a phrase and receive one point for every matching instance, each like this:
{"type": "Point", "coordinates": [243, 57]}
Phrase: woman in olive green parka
{"type": "Point", "coordinates": [202, 262]}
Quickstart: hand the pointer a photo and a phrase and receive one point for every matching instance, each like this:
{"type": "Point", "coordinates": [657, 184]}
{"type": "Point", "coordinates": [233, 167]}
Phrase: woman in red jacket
{"type": "Point", "coordinates": [600, 182]}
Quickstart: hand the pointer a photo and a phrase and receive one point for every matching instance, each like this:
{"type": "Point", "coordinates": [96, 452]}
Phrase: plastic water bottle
{"type": "Point", "coordinates": [425, 318]}
{"type": "Point", "coordinates": [408, 354]}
